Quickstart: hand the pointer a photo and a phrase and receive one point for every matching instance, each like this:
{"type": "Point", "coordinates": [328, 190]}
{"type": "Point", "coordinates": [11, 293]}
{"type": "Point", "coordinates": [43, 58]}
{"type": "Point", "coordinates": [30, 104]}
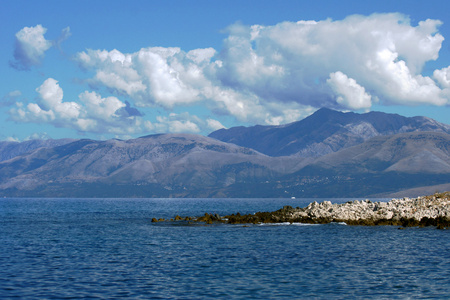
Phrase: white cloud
{"type": "Point", "coordinates": [12, 139]}
{"type": "Point", "coordinates": [52, 105]}
{"type": "Point", "coordinates": [214, 124]}
{"type": "Point", "coordinates": [30, 47]}
{"type": "Point", "coordinates": [201, 55]}
{"type": "Point", "coordinates": [33, 136]}
{"type": "Point", "coordinates": [183, 126]}
{"type": "Point", "coordinates": [92, 113]}
{"type": "Point", "coordinates": [176, 123]}
{"type": "Point", "coordinates": [38, 136]}
{"type": "Point", "coordinates": [382, 52]}
{"type": "Point", "coordinates": [166, 77]}
{"type": "Point", "coordinates": [101, 108]}
{"type": "Point", "coordinates": [263, 74]}
{"type": "Point", "coordinates": [275, 74]}
{"type": "Point", "coordinates": [51, 93]}
{"type": "Point", "coordinates": [442, 77]}
{"type": "Point", "coordinates": [102, 115]}
{"type": "Point", "coordinates": [349, 93]}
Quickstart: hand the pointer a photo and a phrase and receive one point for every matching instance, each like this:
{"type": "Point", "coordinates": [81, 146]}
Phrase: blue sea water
{"type": "Point", "coordinates": [108, 248]}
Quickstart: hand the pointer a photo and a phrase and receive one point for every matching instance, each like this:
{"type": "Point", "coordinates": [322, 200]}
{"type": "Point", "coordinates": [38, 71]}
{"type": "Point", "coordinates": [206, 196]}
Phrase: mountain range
{"type": "Point", "coordinates": [324, 132]}
{"type": "Point", "coordinates": [328, 154]}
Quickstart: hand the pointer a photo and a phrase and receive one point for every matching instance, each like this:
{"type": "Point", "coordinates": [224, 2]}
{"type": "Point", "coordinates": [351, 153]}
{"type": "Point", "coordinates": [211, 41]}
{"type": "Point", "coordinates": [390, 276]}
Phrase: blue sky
{"type": "Point", "coordinates": [123, 69]}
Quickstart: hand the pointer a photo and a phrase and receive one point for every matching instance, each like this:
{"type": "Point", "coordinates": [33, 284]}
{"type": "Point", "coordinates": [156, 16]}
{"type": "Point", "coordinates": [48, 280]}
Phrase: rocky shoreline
{"type": "Point", "coordinates": [433, 210]}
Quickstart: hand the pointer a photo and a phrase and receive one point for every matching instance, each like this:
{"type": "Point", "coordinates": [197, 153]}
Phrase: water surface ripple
{"type": "Point", "coordinates": [108, 248]}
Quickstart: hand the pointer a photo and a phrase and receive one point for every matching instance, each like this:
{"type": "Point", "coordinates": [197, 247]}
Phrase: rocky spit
{"type": "Point", "coordinates": [431, 210]}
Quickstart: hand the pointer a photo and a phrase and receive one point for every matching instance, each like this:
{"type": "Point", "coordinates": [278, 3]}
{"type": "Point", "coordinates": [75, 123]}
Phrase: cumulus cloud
{"type": "Point", "coordinates": [383, 53]}
{"type": "Point", "coordinates": [443, 77]}
{"type": "Point", "coordinates": [276, 74]}
{"type": "Point", "coordinates": [102, 115]}
{"type": "Point", "coordinates": [31, 45]}
{"type": "Point", "coordinates": [165, 76]}
{"type": "Point", "coordinates": [349, 93]}
{"type": "Point", "coordinates": [175, 123]}
{"type": "Point", "coordinates": [169, 77]}
{"type": "Point", "coordinates": [90, 113]}
{"type": "Point", "coordinates": [262, 74]}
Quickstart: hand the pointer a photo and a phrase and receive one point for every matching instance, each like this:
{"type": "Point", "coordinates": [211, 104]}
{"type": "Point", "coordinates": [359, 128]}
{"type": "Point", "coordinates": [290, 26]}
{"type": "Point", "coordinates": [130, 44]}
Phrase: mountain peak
{"type": "Point", "coordinates": [326, 110]}
{"type": "Point", "coordinates": [325, 131]}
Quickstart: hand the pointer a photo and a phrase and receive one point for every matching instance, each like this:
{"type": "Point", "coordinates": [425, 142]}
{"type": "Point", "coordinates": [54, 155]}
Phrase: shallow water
{"type": "Point", "coordinates": [108, 248]}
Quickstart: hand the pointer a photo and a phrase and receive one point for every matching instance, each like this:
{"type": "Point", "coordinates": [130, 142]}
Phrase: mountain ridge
{"type": "Point", "coordinates": [9, 149]}
{"type": "Point", "coordinates": [324, 132]}
{"type": "Point", "coordinates": [189, 165]}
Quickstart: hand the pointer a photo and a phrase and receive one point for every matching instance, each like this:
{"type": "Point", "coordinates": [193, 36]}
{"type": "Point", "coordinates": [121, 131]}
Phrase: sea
{"type": "Point", "coordinates": [110, 249]}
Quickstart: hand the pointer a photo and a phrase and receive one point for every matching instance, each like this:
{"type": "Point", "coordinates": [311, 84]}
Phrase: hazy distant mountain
{"type": "Point", "coordinates": [324, 132]}
{"type": "Point", "coordinates": [363, 155]}
{"type": "Point", "coordinates": [9, 150]}
{"type": "Point", "coordinates": [157, 165]}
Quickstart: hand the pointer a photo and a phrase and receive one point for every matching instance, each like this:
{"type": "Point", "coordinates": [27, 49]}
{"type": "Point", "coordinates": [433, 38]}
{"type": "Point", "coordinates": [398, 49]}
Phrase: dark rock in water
{"type": "Point", "coordinates": [431, 210]}
{"type": "Point", "coordinates": [210, 218]}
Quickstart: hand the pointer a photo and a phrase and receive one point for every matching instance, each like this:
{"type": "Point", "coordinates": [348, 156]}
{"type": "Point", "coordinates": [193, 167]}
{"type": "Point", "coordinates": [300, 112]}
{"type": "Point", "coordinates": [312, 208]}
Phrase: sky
{"type": "Point", "coordinates": [124, 69]}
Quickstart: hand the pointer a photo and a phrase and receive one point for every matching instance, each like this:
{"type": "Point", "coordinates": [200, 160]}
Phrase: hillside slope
{"type": "Point", "coordinates": [381, 165]}
{"type": "Point", "coordinates": [174, 163]}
